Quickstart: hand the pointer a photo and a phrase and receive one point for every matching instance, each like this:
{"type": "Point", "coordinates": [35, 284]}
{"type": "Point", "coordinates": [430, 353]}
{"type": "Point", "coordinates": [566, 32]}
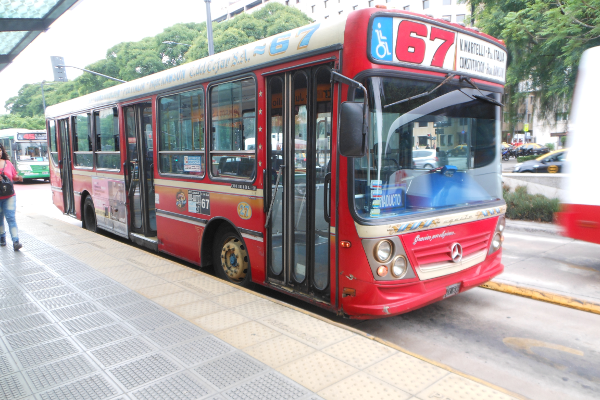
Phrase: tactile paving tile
{"type": "Point", "coordinates": [18, 311]}
{"type": "Point", "coordinates": [268, 386]}
{"type": "Point", "coordinates": [60, 263]}
{"type": "Point", "coordinates": [63, 301]}
{"type": "Point", "coordinates": [159, 290]}
{"type": "Point", "coordinates": [59, 372]}
{"type": "Point", "coordinates": [33, 337]}
{"type": "Point", "coordinates": [122, 351]}
{"type": "Point", "coordinates": [144, 370]}
{"type": "Point", "coordinates": [88, 322]}
{"type": "Point", "coordinates": [359, 352]}
{"type": "Point", "coordinates": [53, 292]}
{"type": "Point", "coordinates": [220, 371]}
{"type": "Point", "coordinates": [29, 271]}
{"type": "Point", "coordinates": [306, 328]}
{"type": "Point", "coordinates": [44, 353]}
{"type": "Point", "coordinates": [95, 387]}
{"type": "Point", "coordinates": [93, 284]}
{"type": "Point", "coordinates": [74, 311]}
{"type": "Point", "coordinates": [82, 277]}
{"type": "Point", "coordinates": [24, 323]}
{"type": "Point", "coordinates": [199, 309]}
{"type": "Point", "coordinates": [183, 386]}
{"type": "Point", "coordinates": [35, 277]}
{"type": "Point", "coordinates": [200, 350]}
{"type": "Point", "coordinates": [178, 299]}
{"type": "Point", "coordinates": [103, 336]}
{"type": "Point", "coordinates": [235, 299]}
{"type": "Point", "coordinates": [457, 387]}
{"type": "Point", "coordinates": [12, 387]}
{"type": "Point", "coordinates": [39, 285]}
{"type": "Point", "coordinates": [363, 386]}
{"type": "Point", "coordinates": [13, 301]}
{"type": "Point", "coordinates": [279, 351]}
{"type": "Point", "coordinates": [303, 371]}
{"type": "Point", "coordinates": [220, 320]}
{"type": "Point", "coordinates": [248, 334]}
{"type": "Point", "coordinates": [136, 310]}
{"type": "Point", "coordinates": [175, 334]}
{"type": "Point", "coordinates": [106, 291]}
{"type": "Point", "coordinates": [72, 270]}
{"type": "Point", "coordinates": [416, 374]}
{"type": "Point", "coordinates": [121, 300]}
{"type": "Point", "coordinates": [5, 365]}
{"type": "Point", "coordinates": [154, 321]}
{"type": "Point", "coordinates": [10, 291]}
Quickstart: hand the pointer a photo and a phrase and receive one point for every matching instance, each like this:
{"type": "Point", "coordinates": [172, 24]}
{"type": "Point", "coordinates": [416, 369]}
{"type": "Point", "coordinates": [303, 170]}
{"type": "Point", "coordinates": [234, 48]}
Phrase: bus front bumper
{"type": "Point", "coordinates": [376, 301]}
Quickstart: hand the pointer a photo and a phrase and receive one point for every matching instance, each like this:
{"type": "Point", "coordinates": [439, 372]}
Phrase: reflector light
{"type": "Point", "coordinates": [381, 6]}
{"type": "Point", "coordinates": [345, 244]}
{"type": "Point", "coordinates": [382, 271]}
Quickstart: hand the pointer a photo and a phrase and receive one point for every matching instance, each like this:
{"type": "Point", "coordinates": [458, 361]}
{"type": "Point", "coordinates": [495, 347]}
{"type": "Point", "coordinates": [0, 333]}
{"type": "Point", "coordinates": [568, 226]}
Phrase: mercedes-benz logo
{"type": "Point", "coordinates": [456, 252]}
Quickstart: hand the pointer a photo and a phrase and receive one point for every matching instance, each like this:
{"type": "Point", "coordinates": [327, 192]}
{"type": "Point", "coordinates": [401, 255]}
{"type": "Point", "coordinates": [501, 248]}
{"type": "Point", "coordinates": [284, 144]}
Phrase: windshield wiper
{"type": "Point", "coordinates": [450, 76]}
{"type": "Point", "coordinates": [480, 97]}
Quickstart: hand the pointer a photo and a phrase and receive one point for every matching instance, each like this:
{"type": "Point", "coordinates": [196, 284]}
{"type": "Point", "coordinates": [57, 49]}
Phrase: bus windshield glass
{"type": "Point", "coordinates": [31, 151]}
{"type": "Point", "coordinates": [435, 152]}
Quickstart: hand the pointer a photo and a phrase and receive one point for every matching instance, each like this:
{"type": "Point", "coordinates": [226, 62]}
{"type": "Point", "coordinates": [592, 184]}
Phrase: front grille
{"type": "Point", "coordinates": [39, 168]}
{"type": "Point", "coordinates": [440, 253]}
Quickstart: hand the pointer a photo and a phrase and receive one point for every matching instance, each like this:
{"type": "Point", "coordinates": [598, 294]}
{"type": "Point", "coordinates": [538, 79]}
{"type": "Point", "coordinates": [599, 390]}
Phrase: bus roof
{"type": "Point", "coordinates": [304, 41]}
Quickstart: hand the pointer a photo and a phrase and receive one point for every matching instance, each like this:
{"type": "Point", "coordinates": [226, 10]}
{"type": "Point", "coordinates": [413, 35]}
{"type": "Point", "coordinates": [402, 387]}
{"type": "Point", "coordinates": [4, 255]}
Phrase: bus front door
{"type": "Point", "coordinates": [66, 167]}
{"type": "Point", "coordinates": [297, 179]}
{"type": "Point", "coordinates": [140, 174]}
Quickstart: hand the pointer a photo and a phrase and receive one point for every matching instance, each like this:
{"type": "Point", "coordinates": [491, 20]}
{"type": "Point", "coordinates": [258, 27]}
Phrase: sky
{"type": "Point", "coordinates": [83, 35]}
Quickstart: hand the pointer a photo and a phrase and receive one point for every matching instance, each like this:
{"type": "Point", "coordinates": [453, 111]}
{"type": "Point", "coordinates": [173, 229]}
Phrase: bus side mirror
{"type": "Point", "coordinates": [352, 142]}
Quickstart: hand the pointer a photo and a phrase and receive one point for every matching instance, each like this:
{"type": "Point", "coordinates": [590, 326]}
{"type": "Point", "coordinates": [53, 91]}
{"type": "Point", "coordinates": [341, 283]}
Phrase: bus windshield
{"type": "Point", "coordinates": [31, 151]}
{"type": "Point", "coordinates": [411, 142]}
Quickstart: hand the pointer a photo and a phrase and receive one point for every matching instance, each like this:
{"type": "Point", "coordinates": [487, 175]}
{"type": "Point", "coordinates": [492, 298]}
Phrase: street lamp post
{"type": "Point", "coordinates": [209, 33]}
{"type": "Point", "coordinates": [92, 72]}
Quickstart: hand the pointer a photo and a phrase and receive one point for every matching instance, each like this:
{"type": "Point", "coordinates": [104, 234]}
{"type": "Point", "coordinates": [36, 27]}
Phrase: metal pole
{"type": "Point", "coordinates": [209, 32]}
{"type": "Point", "coordinates": [43, 97]}
{"type": "Point", "coordinates": [92, 72]}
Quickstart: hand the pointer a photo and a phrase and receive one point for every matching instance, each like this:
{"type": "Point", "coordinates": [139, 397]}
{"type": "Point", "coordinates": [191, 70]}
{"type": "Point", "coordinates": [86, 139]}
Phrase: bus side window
{"type": "Point", "coordinates": [106, 125]}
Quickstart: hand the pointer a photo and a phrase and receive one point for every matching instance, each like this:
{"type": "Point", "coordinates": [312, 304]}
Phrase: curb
{"type": "Point", "coordinates": [541, 295]}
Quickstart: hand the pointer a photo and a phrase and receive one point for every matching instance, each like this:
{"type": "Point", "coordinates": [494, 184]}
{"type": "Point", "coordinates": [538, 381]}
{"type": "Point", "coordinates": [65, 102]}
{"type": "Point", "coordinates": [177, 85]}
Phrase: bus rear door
{"type": "Point", "coordinates": [140, 174]}
{"type": "Point", "coordinates": [66, 166]}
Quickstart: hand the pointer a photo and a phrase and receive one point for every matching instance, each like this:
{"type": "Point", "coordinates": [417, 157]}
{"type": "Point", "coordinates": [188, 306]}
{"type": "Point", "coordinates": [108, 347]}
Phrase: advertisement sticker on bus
{"type": "Point", "coordinates": [405, 41]}
{"type": "Point", "coordinates": [192, 163]}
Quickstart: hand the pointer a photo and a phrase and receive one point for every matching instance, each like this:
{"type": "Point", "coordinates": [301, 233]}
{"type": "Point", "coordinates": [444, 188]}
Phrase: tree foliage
{"type": "Point", "coordinates": [132, 60]}
{"type": "Point", "coordinates": [545, 40]}
{"type": "Point", "coordinates": [8, 121]}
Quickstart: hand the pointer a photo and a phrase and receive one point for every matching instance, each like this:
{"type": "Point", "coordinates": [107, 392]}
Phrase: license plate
{"type": "Point", "coordinates": [452, 290]}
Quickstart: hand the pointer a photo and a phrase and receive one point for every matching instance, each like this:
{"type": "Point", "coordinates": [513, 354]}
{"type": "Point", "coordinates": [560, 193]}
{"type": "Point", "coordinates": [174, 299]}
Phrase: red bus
{"type": "Point", "coordinates": [289, 162]}
{"type": "Point", "coordinates": [580, 210]}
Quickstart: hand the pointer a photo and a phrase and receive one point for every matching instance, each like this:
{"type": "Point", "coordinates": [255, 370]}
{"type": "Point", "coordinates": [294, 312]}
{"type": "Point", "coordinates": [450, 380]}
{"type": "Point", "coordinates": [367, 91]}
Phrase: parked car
{"type": "Point", "coordinates": [531, 149]}
{"type": "Point", "coordinates": [552, 163]}
{"type": "Point", "coordinates": [425, 158]}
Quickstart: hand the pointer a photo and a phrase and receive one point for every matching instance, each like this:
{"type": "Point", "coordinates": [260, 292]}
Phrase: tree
{"type": "Point", "coordinates": [8, 121]}
{"type": "Point", "coordinates": [545, 40]}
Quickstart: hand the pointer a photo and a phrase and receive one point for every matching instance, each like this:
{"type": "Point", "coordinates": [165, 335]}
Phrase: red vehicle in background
{"type": "Point", "coordinates": [580, 211]}
{"type": "Point", "coordinates": [289, 162]}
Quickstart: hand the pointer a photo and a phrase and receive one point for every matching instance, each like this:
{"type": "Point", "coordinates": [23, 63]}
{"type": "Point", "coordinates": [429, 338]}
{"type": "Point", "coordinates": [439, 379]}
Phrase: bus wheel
{"type": "Point", "coordinates": [89, 215]}
{"type": "Point", "coordinates": [230, 258]}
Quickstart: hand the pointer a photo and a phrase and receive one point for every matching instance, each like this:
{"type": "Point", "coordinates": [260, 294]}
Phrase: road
{"type": "Point", "coordinates": [538, 350]}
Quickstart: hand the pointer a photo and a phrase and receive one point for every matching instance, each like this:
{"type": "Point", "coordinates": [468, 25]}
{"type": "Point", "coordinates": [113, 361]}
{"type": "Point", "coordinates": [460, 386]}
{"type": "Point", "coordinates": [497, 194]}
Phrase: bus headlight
{"type": "Point", "coordinates": [383, 251]}
{"type": "Point", "coordinates": [497, 241]}
{"type": "Point", "coordinates": [399, 267]}
{"type": "Point", "coordinates": [501, 223]}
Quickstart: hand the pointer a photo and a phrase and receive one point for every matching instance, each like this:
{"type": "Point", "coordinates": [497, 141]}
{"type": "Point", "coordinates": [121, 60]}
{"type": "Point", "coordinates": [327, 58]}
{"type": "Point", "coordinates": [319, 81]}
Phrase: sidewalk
{"type": "Point", "coordinates": [84, 316]}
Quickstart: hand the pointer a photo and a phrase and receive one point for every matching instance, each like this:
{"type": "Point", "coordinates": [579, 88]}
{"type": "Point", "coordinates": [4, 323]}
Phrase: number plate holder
{"type": "Point", "coordinates": [452, 290]}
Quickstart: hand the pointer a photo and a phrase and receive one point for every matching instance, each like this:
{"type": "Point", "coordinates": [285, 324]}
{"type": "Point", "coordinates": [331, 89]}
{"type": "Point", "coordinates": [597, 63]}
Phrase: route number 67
{"type": "Point", "coordinates": [412, 49]}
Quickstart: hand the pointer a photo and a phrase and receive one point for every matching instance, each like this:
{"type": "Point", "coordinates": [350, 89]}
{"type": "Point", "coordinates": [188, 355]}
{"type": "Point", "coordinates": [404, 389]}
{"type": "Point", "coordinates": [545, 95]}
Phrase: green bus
{"type": "Point", "coordinates": [28, 150]}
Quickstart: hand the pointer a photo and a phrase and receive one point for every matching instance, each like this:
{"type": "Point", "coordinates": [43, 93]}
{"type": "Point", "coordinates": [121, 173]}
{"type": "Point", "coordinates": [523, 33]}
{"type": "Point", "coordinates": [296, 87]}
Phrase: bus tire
{"type": "Point", "coordinates": [230, 257]}
{"type": "Point", "coordinates": [89, 215]}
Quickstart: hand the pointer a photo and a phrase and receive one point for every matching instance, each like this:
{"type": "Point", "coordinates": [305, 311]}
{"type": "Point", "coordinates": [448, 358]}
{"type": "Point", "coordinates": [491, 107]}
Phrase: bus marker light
{"type": "Point", "coordinates": [345, 244]}
{"type": "Point", "coordinates": [382, 271]}
{"type": "Point", "coordinates": [349, 292]}
{"type": "Point", "coordinates": [381, 6]}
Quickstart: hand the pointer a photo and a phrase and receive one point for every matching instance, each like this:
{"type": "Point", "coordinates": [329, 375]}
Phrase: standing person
{"type": "Point", "coordinates": [8, 204]}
